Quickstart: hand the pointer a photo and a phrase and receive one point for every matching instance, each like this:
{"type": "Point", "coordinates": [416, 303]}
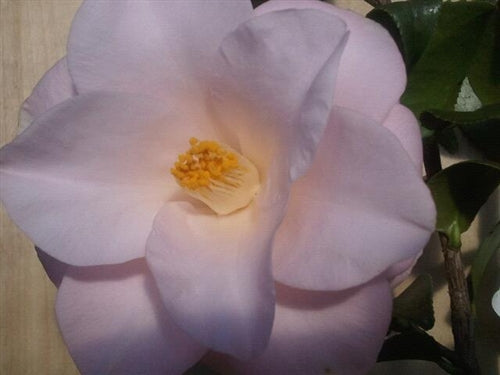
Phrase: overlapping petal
{"type": "Point", "coordinates": [86, 179]}
{"type": "Point", "coordinates": [321, 333]}
{"type": "Point", "coordinates": [156, 47]}
{"type": "Point", "coordinates": [113, 322]}
{"type": "Point", "coordinates": [403, 124]}
{"type": "Point", "coordinates": [55, 87]}
{"type": "Point", "coordinates": [274, 86]}
{"type": "Point", "coordinates": [354, 214]}
{"type": "Point", "coordinates": [400, 271]}
{"type": "Point", "coordinates": [214, 273]}
{"type": "Point", "coordinates": [371, 75]}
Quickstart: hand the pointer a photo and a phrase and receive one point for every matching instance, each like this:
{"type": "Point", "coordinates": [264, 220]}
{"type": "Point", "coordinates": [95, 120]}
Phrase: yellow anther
{"type": "Point", "coordinates": [217, 175]}
{"type": "Point", "coordinates": [205, 160]}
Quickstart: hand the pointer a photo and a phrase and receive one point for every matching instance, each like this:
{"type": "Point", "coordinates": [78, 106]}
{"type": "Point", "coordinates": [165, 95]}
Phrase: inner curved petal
{"type": "Point", "coordinates": [354, 214]}
{"type": "Point", "coordinates": [273, 86]}
{"type": "Point", "coordinates": [214, 273]}
{"type": "Point", "coordinates": [371, 73]}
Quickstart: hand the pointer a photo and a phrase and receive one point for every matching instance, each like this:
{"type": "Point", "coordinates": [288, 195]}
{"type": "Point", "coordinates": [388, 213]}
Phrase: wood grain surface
{"type": "Point", "coordinates": [33, 37]}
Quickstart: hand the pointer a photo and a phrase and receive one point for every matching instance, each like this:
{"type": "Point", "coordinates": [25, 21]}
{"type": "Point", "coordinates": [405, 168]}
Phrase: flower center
{"type": "Point", "coordinates": [217, 175]}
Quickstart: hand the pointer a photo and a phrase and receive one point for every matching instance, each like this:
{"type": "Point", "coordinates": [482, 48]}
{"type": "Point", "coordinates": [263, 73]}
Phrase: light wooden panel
{"type": "Point", "coordinates": [33, 36]}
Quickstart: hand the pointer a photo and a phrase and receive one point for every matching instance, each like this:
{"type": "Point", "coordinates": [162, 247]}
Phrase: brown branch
{"type": "Point", "coordinates": [461, 315]}
{"type": "Point", "coordinates": [460, 305]}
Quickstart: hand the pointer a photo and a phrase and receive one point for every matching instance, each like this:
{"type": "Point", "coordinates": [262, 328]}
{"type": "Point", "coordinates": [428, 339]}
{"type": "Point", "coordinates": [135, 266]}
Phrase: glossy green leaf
{"type": "Point", "coordinates": [484, 74]}
{"type": "Point", "coordinates": [484, 254]}
{"type": "Point", "coordinates": [418, 345]}
{"type": "Point", "coordinates": [413, 307]}
{"type": "Point", "coordinates": [448, 139]}
{"type": "Point", "coordinates": [200, 369]}
{"type": "Point", "coordinates": [481, 127]}
{"type": "Point", "coordinates": [411, 25]}
{"type": "Point", "coordinates": [459, 191]}
{"type": "Point", "coordinates": [436, 78]}
{"type": "Point", "coordinates": [256, 3]}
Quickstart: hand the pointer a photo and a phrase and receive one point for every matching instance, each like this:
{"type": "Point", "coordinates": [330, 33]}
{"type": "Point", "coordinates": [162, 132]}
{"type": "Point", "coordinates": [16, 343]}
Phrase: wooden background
{"type": "Point", "coordinates": [32, 38]}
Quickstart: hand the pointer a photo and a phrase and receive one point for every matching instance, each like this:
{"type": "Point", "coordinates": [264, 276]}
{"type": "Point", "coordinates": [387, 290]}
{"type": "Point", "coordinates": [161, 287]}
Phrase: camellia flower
{"type": "Point", "coordinates": [209, 181]}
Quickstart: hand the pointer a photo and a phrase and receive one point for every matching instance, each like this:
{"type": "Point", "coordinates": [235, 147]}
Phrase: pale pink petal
{"type": "Point", "coordinates": [148, 46]}
{"type": "Point", "coordinates": [87, 178]}
{"type": "Point", "coordinates": [371, 75]}
{"type": "Point", "coordinates": [321, 333]}
{"type": "Point", "coordinates": [403, 124]}
{"type": "Point", "coordinates": [361, 208]}
{"type": "Point", "coordinates": [400, 271]}
{"type": "Point", "coordinates": [55, 87]}
{"type": "Point", "coordinates": [275, 83]}
{"type": "Point", "coordinates": [113, 322]}
{"type": "Point", "coordinates": [214, 273]}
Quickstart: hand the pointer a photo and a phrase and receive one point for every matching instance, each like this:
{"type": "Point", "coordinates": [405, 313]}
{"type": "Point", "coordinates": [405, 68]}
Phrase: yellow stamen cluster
{"type": "Point", "coordinates": [204, 162]}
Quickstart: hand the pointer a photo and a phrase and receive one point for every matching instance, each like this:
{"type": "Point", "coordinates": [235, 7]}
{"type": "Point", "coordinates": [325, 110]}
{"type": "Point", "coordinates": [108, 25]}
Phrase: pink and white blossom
{"type": "Point", "coordinates": [151, 280]}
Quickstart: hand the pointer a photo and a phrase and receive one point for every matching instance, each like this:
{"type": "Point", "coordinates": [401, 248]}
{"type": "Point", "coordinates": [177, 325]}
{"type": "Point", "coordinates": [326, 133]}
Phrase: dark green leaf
{"type": "Point", "coordinates": [200, 369]}
{"type": "Point", "coordinates": [256, 3]}
{"type": "Point", "coordinates": [459, 192]}
{"type": "Point", "coordinates": [489, 246]}
{"type": "Point", "coordinates": [413, 307]}
{"type": "Point", "coordinates": [436, 78]}
{"type": "Point", "coordinates": [484, 74]}
{"type": "Point", "coordinates": [438, 119]}
{"type": "Point", "coordinates": [418, 345]}
{"type": "Point", "coordinates": [448, 139]}
{"type": "Point", "coordinates": [411, 25]}
{"type": "Point", "coordinates": [481, 127]}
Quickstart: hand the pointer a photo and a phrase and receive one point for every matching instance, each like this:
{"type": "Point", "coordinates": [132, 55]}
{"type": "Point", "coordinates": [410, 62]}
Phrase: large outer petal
{"type": "Point", "coordinates": [87, 178]}
{"type": "Point", "coordinates": [371, 75]}
{"type": "Point", "coordinates": [55, 87]}
{"type": "Point", "coordinates": [214, 273]}
{"type": "Point", "coordinates": [403, 124]}
{"type": "Point", "coordinates": [275, 84]}
{"type": "Point", "coordinates": [151, 47]}
{"type": "Point", "coordinates": [113, 322]}
{"type": "Point", "coordinates": [321, 333]}
{"type": "Point", "coordinates": [400, 271]}
{"type": "Point", "coordinates": [361, 208]}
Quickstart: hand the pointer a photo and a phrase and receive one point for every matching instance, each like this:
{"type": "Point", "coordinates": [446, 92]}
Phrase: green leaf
{"type": "Point", "coordinates": [448, 139]}
{"type": "Point", "coordinates": [413, 307]}
{"type": "Point", "coordinates": [200, 369]}
{"type": "Point", "coordinates": [436, 78]}
{"type": "Point", "coordinates": [256, 3]}
{"type": "Point", "coordinates": [484, 74]}
{"type": "Point", "coordinates": [481, 127]}
{"type": "Point", "coordinates": [459, 191]}
{"type": "Point", "coordinates": [489, 246]}
{"type": "Point", "coordinates": [411, 25]}
{"type": "Point", "coordinates": [418, 345]}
